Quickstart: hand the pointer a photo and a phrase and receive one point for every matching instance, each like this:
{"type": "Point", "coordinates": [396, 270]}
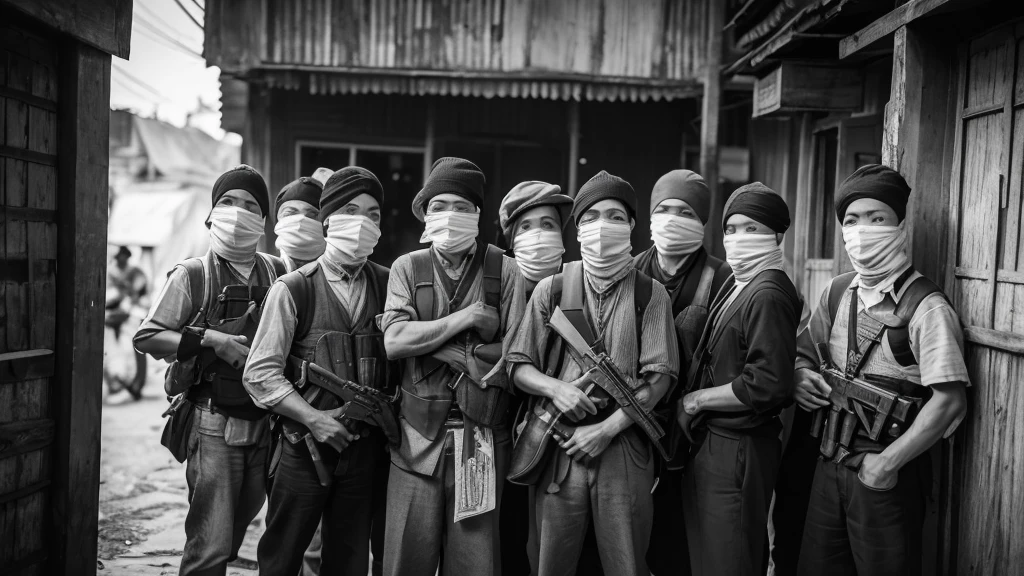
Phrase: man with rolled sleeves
{"type": "Point", "coordinates": [300, 234]}
{"type": "Point", "coordinates": [606, 469]}
{"type": "Point", "coordinates": [448, 308]}
{"type": "Point", "coordinates": [742, 373]}
{"type": "Point", "coordinates": [680, 205]}
{"type": "Point", "coordinates": [887, 324]}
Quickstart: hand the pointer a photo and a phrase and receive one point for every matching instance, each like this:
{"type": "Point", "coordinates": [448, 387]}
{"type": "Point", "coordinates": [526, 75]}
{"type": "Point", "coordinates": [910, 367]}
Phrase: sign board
{"type": "Point", "coordinates": [798, 87]}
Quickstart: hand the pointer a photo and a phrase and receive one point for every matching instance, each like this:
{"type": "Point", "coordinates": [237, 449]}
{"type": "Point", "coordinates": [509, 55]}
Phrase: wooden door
{"type": "Point", "coordinates": [986, 531]}
{"type": "Point", "coordinates": [28, 253]}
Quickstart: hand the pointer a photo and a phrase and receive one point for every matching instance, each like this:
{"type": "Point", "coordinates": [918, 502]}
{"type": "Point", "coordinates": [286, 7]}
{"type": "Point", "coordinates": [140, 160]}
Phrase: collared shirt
{"type": "Point", "coordinates": [264, 370]}
{"type": "Point", "coordinates": [934, 333]}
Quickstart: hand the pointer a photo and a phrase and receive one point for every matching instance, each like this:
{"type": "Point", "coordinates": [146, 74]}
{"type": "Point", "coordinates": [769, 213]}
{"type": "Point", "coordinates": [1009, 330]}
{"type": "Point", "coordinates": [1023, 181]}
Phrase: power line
{"type": "Point", "coordinates": [198, 5]}
{"type": "Point", "coordinates": [131, 88]}
{"type": "Point", "coordinates": [189, 14]}
{"type": "Point", "coordinates": [139, 82]}
{"type": "Point", "coordinates": [158, 34]}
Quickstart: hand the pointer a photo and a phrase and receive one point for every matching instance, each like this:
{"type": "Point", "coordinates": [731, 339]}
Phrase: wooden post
{"type": "Point", "coordinates": [84, 133]}
{"type": "Point", "coordinates": [256, 149]}
{"type": "Point", "coordinates": [574, 147]}
{"type": "Point", "coordinates": [428, 141]}
{"type": "Point", "coordinates": [709, 124]}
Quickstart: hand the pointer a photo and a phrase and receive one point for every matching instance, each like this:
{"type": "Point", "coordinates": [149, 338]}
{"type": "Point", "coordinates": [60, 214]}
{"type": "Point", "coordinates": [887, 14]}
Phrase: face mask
{"type": "Point", "coordinates": [451, 231]}
{"type": "Point", "coordinates": [300, 237]}
{"type": "Point", "coordinates": [876, 252]}
{"type": "Point", "coordinates": [605, 248]}
{"type": "Point", "coordinates": [750, 254]}
{"type": "Point", "coordinates": [234, 233]}
{"type": "Point", "coordinates": [538, 253]}
{"type": "Point", "coordinates": [350, 238]}
{"type": "Point", "coordinates": [675, 235]}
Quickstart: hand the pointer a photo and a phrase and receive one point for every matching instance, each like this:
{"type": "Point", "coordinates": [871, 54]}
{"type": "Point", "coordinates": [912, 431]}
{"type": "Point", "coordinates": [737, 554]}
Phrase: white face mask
{"type": "Point", "coordinates": [234, 233]}
{"type": "Point", "coordinates": [605, 248]}
{"type": "Point", "coordinates": [300, 237]}
{"type": "Point", "coordinates": [350, 238]}
{"type": "Point", "coordinates": [451, 231]}
{"type": "Point", "coordinates": [676, 235]}
{"type": "Point", "coordinates": [750, 254]}
{"type": "Point", "coordinates": [538, 253]}
{"type": "Point", "coordinates": [876, 252]}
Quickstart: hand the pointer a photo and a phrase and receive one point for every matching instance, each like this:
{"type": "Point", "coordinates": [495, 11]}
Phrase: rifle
{"type": "Point", "coordinates": [360, 404]}
{"type": "Point", "coordinates": [851, 399]}
{"type": "Point", "coordinates": [607, 376]}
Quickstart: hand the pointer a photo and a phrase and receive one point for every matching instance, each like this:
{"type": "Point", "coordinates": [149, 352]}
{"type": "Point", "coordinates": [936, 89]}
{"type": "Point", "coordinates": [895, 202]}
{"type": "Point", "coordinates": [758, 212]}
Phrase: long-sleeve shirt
{"type": "Point", "coordinates": [264, 370]}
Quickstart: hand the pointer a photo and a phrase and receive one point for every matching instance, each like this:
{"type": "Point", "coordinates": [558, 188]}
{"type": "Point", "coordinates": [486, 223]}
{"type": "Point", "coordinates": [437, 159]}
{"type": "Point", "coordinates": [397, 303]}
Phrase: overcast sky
{"type": "Point", "coordinates": [165, 76]}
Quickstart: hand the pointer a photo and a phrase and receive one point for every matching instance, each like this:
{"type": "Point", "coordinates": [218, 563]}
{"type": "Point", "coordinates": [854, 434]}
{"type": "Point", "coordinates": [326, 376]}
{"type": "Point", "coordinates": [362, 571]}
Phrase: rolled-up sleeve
{"type": "Point", "coordinates": [770, 324]}
{"type": "Point", "coordinates": [513, 304]}
{"type": "Point", "coordinates": [170, 310]}
{"type": "Point", "coordinates": [659, 350]}
{"type": "Point", "coordinates": [264, 377]}
{"type": "Point", "coordinates": [399, 305]}
{"type": "Point", "coordinates": [530, 339]}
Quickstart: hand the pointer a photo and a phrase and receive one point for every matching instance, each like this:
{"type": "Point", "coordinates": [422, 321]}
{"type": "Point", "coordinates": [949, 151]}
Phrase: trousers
{"type": "Point", "coordinates": [226, 490]}
{"type": "Point", "coordinates": [793, 492]}
{"type": "Point", "coordinates": [668, 554]}
{"type": "Point", "coordinates": [421, 532]}
{"type": "Point", "coordinates": [343, 510]}
{"type": "Point", "coordinates": [855, 530]}
{"type": "Point", "coordinates": [726, 495]}
{"type": "Point", "coordinates": [614, 488]}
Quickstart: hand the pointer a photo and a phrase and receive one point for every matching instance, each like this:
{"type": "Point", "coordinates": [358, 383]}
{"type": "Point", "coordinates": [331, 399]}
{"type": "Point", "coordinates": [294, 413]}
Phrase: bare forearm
{"type": "Point", "coordinates": [533, 381]}
{"type": "Point", "coordinates": [295, 407]}
{"type": "Point", "coordinates": [719, 399]}
{"type": "Point", "coordinates": [657, 387]}
{"type": "Point", "coordinates": [947, 403]}
{"type": "Point", "coordinates": [406, 339]}
{"type": "Point", "coordinates": [162, 345]}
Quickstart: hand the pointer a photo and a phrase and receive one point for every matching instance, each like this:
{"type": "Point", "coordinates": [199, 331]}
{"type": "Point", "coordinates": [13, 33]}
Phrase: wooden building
{"type": "Point", "coordinates": [934, 89]}
{"type": "Point", "coordinates": [527, 89]}
{"type": "Point", "coordinates": [54, 115]}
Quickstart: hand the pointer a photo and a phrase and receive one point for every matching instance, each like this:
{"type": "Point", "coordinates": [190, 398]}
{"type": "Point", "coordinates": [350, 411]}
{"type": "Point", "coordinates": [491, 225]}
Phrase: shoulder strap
{"type": "Point", "coordinates": [571, 301]}
{"type": "Point", "coordinates": [899, 337]}
{"type": "Point", "coordinates": [493, 260]}
{"type": "Point", "coordinates": [304, 297]}
{"type": "Point", "coordinates": [423, 278]}
{"type": "Point", "coordinates": [835, 293]}
{"type": "Point", "coordinates": [703, 294]}
{"type": "Point", "coordinates": [196, 269]}
{"type": "Point", "coordinates": [277, 265]}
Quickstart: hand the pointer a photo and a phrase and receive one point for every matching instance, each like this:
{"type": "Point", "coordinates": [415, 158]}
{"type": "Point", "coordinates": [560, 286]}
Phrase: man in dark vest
{"type": "Point", "coordinates": [680, 205]}
{"type": "Point", "coordinates": [324, 313]}
{"type": "Point", "coordinates": [741, 378]}
{"type": "Point", "coordinates": [886, 325]}
{"type": "Point", "coordinates": [204, 318]}
{"type": "Point", "coordinates": [448, 309]}
{"type": "Point", "coordinates": [300, 234]}
{"type": "Point", "coordinates": [605, 469]}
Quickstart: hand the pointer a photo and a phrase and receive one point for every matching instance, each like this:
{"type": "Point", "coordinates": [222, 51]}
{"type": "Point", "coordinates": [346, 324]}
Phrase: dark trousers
{"type": "Point", "coordinates": [855, 530]}
{"type": "Point", "coordinates": [514, 527]}
{"type": "Point", "coordinates": [667, 555]}
{"type": "Point", "coordinates": [298, 502]}
{"type": "Point", "coordinates": [726, 495]}
{"type": "Point", "coordinates": [793, 492]}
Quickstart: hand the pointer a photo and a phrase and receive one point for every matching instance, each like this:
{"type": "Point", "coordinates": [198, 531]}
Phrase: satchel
{"type": "Point", "coordinates": [179, 376]}
{"type": "Point", "coordinates": [178, 429]}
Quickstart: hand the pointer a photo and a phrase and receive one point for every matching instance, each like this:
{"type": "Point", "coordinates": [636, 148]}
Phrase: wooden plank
{"type": "Point", "coordinates": [574, 147]}
{"type": "Point", "coordinates": [104, 24]}
{"type": "Point", "coordinates": [886, 25]}
{"type": "Point", "coordinates": [710, 107]}
{"type": "Point", "coordinates": [26, 436]}
{"type": "Point", "coordinates": [28, 155]}
{"type": "Point", "coordinates": [26, 365]}
{"type": "Point", "coordinates": [793, 87]}
{"type": "Point", "coordinates": [83, 141]}
{"type": "Point", "coordinates": [27, 98]}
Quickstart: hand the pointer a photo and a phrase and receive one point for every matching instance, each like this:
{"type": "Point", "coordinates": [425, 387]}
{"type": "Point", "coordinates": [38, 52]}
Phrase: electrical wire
{"type": "Point", "coordinates": [189, 14]}
{"type": "Point", "coordinates": [198, 5]}
{"type": "Point", "coordinates": [130, 88]}
{"type": "Point", "coordinates": [157, 33]}
{"type": "Point", "coordinates": [139, 82]}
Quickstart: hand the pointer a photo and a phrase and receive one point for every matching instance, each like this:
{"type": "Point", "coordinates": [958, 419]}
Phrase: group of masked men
{"type": "Point", "coordinates": [471, 412]}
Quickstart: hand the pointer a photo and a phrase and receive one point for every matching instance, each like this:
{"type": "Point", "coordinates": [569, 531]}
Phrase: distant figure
{"type": "Point", "coordinates": [127, 290]}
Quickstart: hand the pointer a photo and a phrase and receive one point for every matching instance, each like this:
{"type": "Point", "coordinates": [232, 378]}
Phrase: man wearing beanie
{"type": "Point", "coordinates": [320, 314]}
{"type": "Point", "coordinates": [739, 381]}
{"type": "Point", "coordinates": [300, 238]}
{"type": "Point", "coordinates": [680, 204]}
{"type": "Point", "coordinates": [449, 306]}
{"type": "Point", "coordinates": [886, 323]}
{"type": "Point", "coordinates": [605, 470]}
{"type": "Point", "coordinates": [203, 321]}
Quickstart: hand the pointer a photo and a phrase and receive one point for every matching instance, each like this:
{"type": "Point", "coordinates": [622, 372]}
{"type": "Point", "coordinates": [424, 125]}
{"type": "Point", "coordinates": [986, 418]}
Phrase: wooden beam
{"type": "Point", "coordinates": [793, 87]}
{"type": "Point", "coordinates": [82, 251]}
{"type": "Point", "coordinates": [710, 106]}
{"type": "Point", "coordinates": [103, 24]}
{"type": "Point", "coordinates": [887, 25]}
{"type": "Point", "coordinates": [574, 148]}
{"type": "Point", "coordinates": [25, 436]}
{"type": "Point", "coordinates": [429, 137]}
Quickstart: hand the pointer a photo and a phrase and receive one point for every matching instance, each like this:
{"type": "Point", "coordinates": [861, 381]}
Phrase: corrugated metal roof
{"type": "Point", "coordinates": [185, 153]}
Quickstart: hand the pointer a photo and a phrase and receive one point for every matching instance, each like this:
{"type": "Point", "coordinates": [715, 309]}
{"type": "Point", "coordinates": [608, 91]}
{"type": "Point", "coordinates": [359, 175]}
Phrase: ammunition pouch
{"type": "Point", "coordinates": [484, 406]}
{"type": "Point", "coordinates": [426, 415]}
{"type": "Point", "coordinates": [532, 447]}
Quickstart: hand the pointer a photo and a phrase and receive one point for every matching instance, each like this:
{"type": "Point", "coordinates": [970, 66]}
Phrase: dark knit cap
{"type": "Point", "coordinates": [759, 203]}
{"type": "Point", "coordinates": [451, 176]}
{"type": "Point", "coordinates": [603, 186]}
{"type": "Point", "coordinates": [684, 185]}
{"type": "Point", "coordinates": [243, 177]}
{"type": "Point", "coordinates": [346, 184]}
{"type": "Point", "coordinates": [526, 196]}
{"type": "Point", "coordinates": [303, 189]}
{"type": "Point", "coordinates": [873, 181]}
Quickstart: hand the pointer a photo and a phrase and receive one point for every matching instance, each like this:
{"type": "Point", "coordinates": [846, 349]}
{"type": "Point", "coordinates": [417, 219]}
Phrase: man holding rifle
{"type": "Point", "coordinates": [597, 349]}
{"type": "Point", "coordinates": [318, 362]}
{"type": "Point", "coordinates": [882, 363]}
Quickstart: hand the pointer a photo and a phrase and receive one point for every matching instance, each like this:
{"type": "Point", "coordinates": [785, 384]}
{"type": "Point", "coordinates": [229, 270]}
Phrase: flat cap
{"type": "Point", "coordinates": [527, 195]}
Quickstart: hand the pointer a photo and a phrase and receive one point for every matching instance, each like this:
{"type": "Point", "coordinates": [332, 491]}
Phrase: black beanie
{"type": "Point", "coordinates": [450, 176]}
{"type": "Point", "coordinates": [603, 186]}
{"type": "Point", "coordinates": [346, 184]}
{"type": "Point", "coordinates": [243, 177]}
{"type": "Point", "coordinates": [684, 185]}
{"type": "Point", "coordinates": [759, 203]}
{"type": "Point", "coordinates": [303, 189]}
{"type": "Point", "coordinates": [874, 181]}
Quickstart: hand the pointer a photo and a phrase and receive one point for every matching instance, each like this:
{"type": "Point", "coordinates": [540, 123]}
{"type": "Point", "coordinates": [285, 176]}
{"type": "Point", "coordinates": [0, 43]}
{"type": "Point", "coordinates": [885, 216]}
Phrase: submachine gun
{"type": "Point", "coordinates": [883, 415]}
